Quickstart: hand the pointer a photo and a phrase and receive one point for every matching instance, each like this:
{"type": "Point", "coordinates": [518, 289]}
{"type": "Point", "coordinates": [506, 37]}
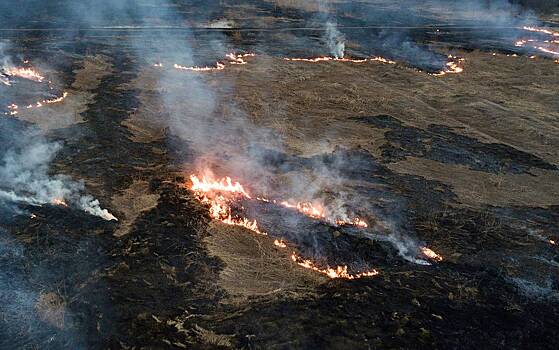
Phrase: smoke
{"type": "Point", "coordinates": [24, 169]}
{"type": "Point", "coordinates": [335, 40]}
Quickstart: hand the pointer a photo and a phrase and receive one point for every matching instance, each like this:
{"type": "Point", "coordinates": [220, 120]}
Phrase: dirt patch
{"type": "Point", "coordinates": [254, 266]}
{"type": "Point", "coordinates": [131, 203]}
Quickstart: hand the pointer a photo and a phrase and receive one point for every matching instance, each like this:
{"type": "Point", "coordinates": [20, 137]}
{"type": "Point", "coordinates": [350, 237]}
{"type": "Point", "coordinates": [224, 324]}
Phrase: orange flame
{"type": "Point", "coordinates": [238, 58]}
{"type": "Point", "coordinates": [223, 185]}
{"type": "Point", "coordinates": [452, 67]}
{"type": "Point", "coordinates": [25, 73]}
{"type": "Point", "coordinates": [214, 194]}
{"type": "Point", "coordinates": [540, 30]}
{"type": "Point", "coordinates": [353, 222]}
{"type": "Point", "coordinates": [218, 194]}
{"type": "Point", "coordinates": [14, 108]}
{"type": "Point", "coordinates": [336, 59]}
{"type": "Point", "coordinates": [337, 272]}
{"type": "Point", "coordinates": [431, 254]}
{"type": "Point", "coordinates": [231, 57]}
{"type": "Point", "coordinates": [59, 202]}
{"type": "Point", "coordinates": [219, 66]}
{"type": "Point", "coordinates": [306, 208]}
{"type": "Point", "coordinates": [543, 49]}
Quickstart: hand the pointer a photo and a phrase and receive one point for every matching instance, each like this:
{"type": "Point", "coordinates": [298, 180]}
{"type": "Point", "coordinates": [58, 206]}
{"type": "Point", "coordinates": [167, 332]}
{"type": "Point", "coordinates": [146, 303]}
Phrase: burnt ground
{"type": "Point", "coordinates": [466, 165]}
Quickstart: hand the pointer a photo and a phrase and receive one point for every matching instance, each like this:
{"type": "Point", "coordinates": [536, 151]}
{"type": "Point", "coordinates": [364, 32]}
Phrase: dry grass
{"type": "Point", "coordinates": [493, 101]}
{"type": "Point", "coordinates": [255, 267]}
{"type": "Point", "coordinates": [213, 339]}
{"type": "Point", "coordinates": [67, 113]}
{"type": "Point", "coordinates": [477, 188]}
{"type": "Point", "coordinates": [145, 124]}
{"type": "Point", "coordinates": [131, 203]}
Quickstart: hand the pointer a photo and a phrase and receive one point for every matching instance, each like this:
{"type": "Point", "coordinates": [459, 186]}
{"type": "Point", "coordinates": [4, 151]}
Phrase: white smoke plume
{"type": "Point", "coordinates": [335, 40]}
{"type": "Point", "coordinates": [25, 178]}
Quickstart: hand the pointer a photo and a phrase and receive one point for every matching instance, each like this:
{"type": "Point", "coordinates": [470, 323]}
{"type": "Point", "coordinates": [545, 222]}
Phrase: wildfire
{"type": "Point", "coordinates": [306, 208]}
{"type": "Point", "coordinates": [452, 67]}
{"type": "Point", "coordinates": [238, 58]}
{"type": "Point", "coordinates": [219, 194]}
{"type": "Point", "coordinates": [219, 66]}
{"type": "Point", "coordinates": [231, 58]}
{"type": "Point", "coordinates": [59, 202]}
{"type": "Point", "coordinates": [431, 254]}
{"type": "Point", "coordinates": [543, 49]}
{"type": "Point", "coordinates": [25, 73]}
{"type": "Point", "coordinates": [337, 272]}
{"type": "Point", "coordinates": [337, 59]}
{"type": "Point", "coordinates": [223, 185]}
{"type": "Point", "coordinates": [540, 30]}
{"type": "Point", "coordinates": [13, 108]}
{"type": "Point", "coordinates": [353, 222]}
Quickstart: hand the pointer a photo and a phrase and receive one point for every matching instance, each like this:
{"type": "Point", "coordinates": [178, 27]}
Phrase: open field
{"type": "Point", "coordinates": [385, 204]}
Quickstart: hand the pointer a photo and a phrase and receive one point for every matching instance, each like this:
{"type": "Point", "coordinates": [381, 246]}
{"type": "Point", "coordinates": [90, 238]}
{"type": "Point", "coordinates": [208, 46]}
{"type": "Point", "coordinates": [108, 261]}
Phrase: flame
{"type": "Point", "coordinates": [231, 57]}
{"type": "Point", "coordinates": [540, 30]}
{"type": "Point", "coordinates": [452, 67]}
{"type": "Point", "coordinates": [219, 194]}
{"type": "Point", "coordinates": [223, 185]}
{"type": "Point", "coordinates": [238, 58]}
{"type": "Point", "coordinates": [353, 222]}
{"type": "Point", "coordinates": [13, 108]}
{"type": "Point", "coordinates": [552, 242]}
{"type": "Point", "coordinates": [219, 66]}
{"type": "Point", "coordinates": [306, 208]}
{"type": "Point", "coordinates": [337, 59]}
{"type": "Point", "coordinates": [431, 254]}
{"type": "Point", "coordinates": [543, 49]}
{"type": "Point", "coordinates": [59, 202]}
{"type": "Point", "coordinates": [25, 73]}
{"type": "Point", "coordinates": [337, 272]}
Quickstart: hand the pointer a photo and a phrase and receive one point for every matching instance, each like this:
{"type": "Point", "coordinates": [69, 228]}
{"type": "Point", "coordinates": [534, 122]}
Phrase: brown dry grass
{"type": "Point", "coordinates": [498, 99]}
{"type": "Point", "coordinates": [254, 266]}
{"type": "Point", "coordinates": [64, 114]}
{"type": "Point", "coordinates": [131, 203]}
{"type": "Point", "coordinates": [479, 188]}
{"type": "Point", "coordinates": [211, 338]}
{"type": "Point", "coordinates": [145, 124]}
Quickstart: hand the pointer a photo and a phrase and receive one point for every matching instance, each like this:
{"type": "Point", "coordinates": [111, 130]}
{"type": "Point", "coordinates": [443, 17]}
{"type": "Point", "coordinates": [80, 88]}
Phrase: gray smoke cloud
{"type": "Point", "coordinates": [25, 161]}
{"type": "Point", "coordinates": [25, 174]}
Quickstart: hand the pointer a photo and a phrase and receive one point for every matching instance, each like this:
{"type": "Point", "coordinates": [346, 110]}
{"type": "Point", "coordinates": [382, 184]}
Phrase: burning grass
{"type": "Point", "coordinates": [64, 110]}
